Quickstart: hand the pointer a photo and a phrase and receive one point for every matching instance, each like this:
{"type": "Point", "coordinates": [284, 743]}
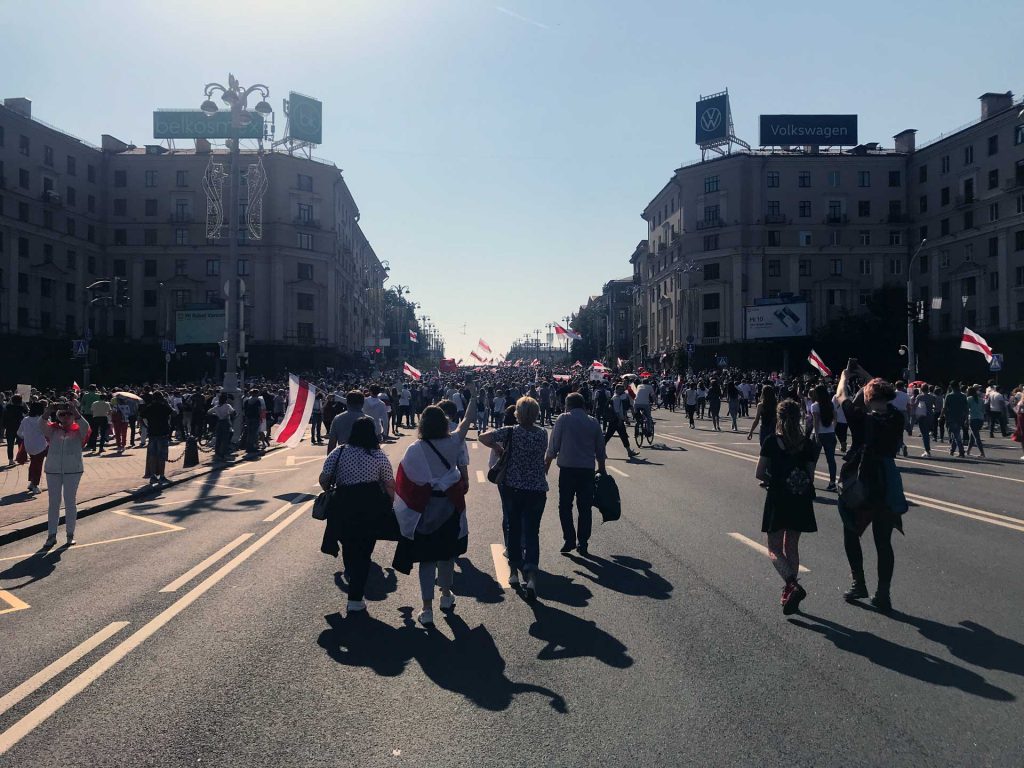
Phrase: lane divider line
{"type": "Point", "coordinates": [50, 671]}
{"type": "Point", "coordinates": [145, 519]}
{"type": "Point", "coordinates": [15, 603]}
{"type": "Point", "coordinates": [480, 476]}
{"type": "Point", "coordinates": [502, 572]}
{"type": "Point", "coordinates": [616, 471]}
{"type": "Point", "coordinates": [191, 573]}
{"type": "Point", "coordinates": [276, 514]}
{"type": "Point", "coordinates": [758, 547]}
{"type": "Point", "coordinates": [47, 708]}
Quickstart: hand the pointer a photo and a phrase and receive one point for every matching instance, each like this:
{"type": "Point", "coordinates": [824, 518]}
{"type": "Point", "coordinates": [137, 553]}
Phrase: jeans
{"type": "Point", "coordinates": [442, 570]}
{"type": "Point", "coordinates": [734, 410]}
{"type": "Point", "coordinates": [100, 426]}
{"type": "Point", "coordinates": [924, 423]}
{"type": "Point", "coordinates": [252, 433]}
{"type": "Point", "coordinates": [1000, 417]}
{"type": "Point", "coordinates": [828, 447]}
{"type": "Point", "coordinates": [317, 425]}
{"type": "Point", "coordinates": [356, 554]}
{"type": "Point", "coordinates": [525, 509]}
{"type": "Point", "coordinates": [690, 410]}
{"type": "Point", "coordinates": [66, 485]}
{"type": "Point", "coordinates": [222, 438]}
{"type": "Point", "coordinates": [575, 483]}
{"type": "Point", "coordinates": [956, 438]}
{"type": "Point", "coordinates": [975, 437]}
{"type": "Point", "coordinates": [156, 455]}
{"type": "Point", "coordinates": [503, 496]}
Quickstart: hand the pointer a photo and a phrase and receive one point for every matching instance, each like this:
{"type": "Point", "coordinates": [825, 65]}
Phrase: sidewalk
{"type": "Point", "coordinates": [110, 479]}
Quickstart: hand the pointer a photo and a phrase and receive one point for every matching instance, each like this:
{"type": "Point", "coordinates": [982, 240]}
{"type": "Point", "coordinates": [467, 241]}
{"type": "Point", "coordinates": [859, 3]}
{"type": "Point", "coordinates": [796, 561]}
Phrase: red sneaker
{"type": "Point", "coordinates": [786, 592]}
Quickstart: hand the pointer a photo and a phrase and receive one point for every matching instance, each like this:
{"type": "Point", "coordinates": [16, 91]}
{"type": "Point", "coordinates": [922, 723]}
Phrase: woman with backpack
{"type": "Point", "coordinates": [786, 469]}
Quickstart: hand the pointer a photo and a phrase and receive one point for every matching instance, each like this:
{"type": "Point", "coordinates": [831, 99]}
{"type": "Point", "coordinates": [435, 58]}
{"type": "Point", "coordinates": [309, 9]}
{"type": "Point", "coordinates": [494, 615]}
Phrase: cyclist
{"type": "Point", "coordinates": [642, 410]}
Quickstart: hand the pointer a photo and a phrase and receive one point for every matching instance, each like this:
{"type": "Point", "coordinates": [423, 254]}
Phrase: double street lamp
{"type": "Point", "coordinates": [911, 358]}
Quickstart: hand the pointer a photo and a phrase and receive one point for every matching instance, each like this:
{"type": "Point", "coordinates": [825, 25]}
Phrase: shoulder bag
{"type": "Point", "coordinates": [496, 474]}
{"type": "Point", "coordinates": [323, 501]}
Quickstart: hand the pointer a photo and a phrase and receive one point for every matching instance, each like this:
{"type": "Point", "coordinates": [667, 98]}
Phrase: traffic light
{"type": "Point", "coordinates": [376, 351]}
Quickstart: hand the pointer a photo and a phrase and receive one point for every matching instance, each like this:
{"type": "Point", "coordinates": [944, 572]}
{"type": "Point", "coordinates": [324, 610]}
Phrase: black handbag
{"type": "Point", "coordinates": [606, 498]}
{"type": "Point", "coordinates": [496, 474]}
{"type": "Point", "coordinates": [853, 491]}
{"type": "Point", "coordinates": [323, 501]}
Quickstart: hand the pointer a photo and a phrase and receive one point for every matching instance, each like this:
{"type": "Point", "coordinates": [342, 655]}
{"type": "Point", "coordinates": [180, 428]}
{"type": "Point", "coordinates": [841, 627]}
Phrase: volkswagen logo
{"type": "Point", "coordinates": [710, 119]}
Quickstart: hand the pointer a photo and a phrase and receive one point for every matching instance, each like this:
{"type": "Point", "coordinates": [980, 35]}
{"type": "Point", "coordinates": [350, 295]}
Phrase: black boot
{"type": "Point", "coordinates": [881, 600]}
{"type": "Point", "coordinates": [858, 589]}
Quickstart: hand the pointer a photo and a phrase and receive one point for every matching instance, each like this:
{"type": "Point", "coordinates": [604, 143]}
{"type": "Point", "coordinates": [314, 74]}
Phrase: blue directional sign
{"type": "Point", "coordinates": [167, 346]}
{"type": "Point", "coordinates": [997, 362]}
{"type": "Point", "coordinates": [80, 347]}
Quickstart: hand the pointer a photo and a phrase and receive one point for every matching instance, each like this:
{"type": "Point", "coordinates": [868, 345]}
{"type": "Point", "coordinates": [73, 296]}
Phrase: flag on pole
{"type": "Point", "coordinates": [620, 362]}
{"type": "Point", "coordinates": [567, 333]}
{"type": "Point", "coordinates": [75, 387]}
{"type": "Point", "coordinates": [597, 365]}
{"type": "Point", "coordinates": [535, 363]}
{"type": "Point", "coordinates": [476, 357]}
{"type": "Point", "coordinates": [818, 363]}
{"type": "Point", "coordinates": [408, 370]}
{"type": "Point", "coordinates": [484, 346]}
{"type": "Point", "coordinates": [301, 395]}
{"type": "Point", "coordinates": [972, 341]}
{"type": "Point", "coordinates": [577, 364]}
{"type": "Point", "coordinates": [413, 336]}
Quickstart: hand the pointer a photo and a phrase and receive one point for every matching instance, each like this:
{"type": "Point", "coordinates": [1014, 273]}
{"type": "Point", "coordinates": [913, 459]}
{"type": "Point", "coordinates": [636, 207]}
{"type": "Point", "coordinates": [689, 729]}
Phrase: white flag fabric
{"type": "Point", "coordinates": [597, 365]}
{"type": "Point", "coordinates": [301, 395]}
{"type": "Point", "coordinates": [818, 363]}
{"type": "Point", "coordinates": [972, 341]}
{"type": "Point", "coordinates": [567, 333]}
{"type": "Point", "coordinates": [413, 336]}
{"type": "Point", "coordinates": [408, 370]}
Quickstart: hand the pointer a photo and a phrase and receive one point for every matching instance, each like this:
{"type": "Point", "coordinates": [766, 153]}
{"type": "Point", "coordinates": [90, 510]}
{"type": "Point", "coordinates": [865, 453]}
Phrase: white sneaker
{"type": "Point", "coordinates": [447, 602]}
{"type": "Point", "coordinates": [356, 605]}
{"type": "Point", "coordinates": [426, 618]}
{"type": "Point", "coordinates": [926, 455]}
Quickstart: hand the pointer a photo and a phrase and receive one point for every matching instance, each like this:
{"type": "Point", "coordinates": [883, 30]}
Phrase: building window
{"type": "Point", "coordinates": [922, 204]}
{"type": "Point", "coordinates": [805, 239]}
{"type": "Point", "coordinates": [944, 227]}
{"type": "Point", "coordinates": [24, 180]}
{"type": "Point", "coordinates": [46, 284]}
{"type": "Point", "coordinates": [23, 246]}
{"type": "Point", "coordinates": [120, 267]}
{"type": "Point", "coordinates": [149, 298]}
{"type": "Point", "coordinates": [863, 178]}
{"type": "Point", "coordinates": [968, 154]}
{"type": "Point", "coordinates": [305, 212]}
{"type": "Point", "coordinates": [922, 232]}
{"type": "Point", "coordinates": [23, 212]}
{"type": "Point", "coordinates": [993, 281]}
{"type": "Point", "coordinates": [304, 241]}
{"type": "Point", "coordinates": [24, 146]}
{"type": "Point", "coordinates": [895, 237]}
{"type": "Point", "coordinates": [774, 268]}
{"type": "Point", "coordinates": [149, 236]}
{"type": "Point", "coordinates": [805, 208]}
{"type": "Point", "coordinates": [835, 237]}
{"type": "Point", "coordinates": [993, 247]}
{"type": "Point", "coordinates": [835, 211]}
{"type": "Point", "coordinates": [969, 286]}
{"type": "Point", "coordinates": [710, 183]}
{"type": "Point", "coordinates": [305, 183]}
{"type": "Point", "coordinates": [835, 267]}
{"type": "Point", "coordinates": [712, 300]}
{"type": "Point", "coordinates": [774, 208]}
{"type": "Point", "coordinates": [180, 267]}
{"type": "Point", "coordinates": [922, 174]}
{"type": "Point", "coordinates": [181, 235]}
{"type": "Point", "coordinates": [305, 301]}
{"type": "Point", "coordinates": [896, 265]}
{"type": "Point", "coordinates": [150, 178]}
{"type": "Point", "coordinates": [213, 267]}
{"type": "Point", "coordinates": [863, 208]}
{"type": "Point", "coordinates": [181, 298]}
{"type": "Point", "coordinates": [993, 178]}
{"type": "Point", "coordinates": [120, 206]}
{"type": "Point", "coordinates": [710, 242]}
{"type": "Point", "coordinates": [90, 264]}
{"type": "Point", "coordinates": [712, 271]}
{"type": "Point", "coordinates": [773, 177]}
{"type": "Point", "coordinates": [90, 174]}
{"type": "Point", "coordinates": [150, 206]}
{"type": "Point", "coordinates": [774, 238]}
{"type": "Point", "coordinates": [833, 179]}
{"type": "Point", "coordinates": [120, 237]}
{"type": "Point", "coordinates": [944, 196]}
{"type": "Point", "coordinates": [120, 178]}
{"type": "Point", "coordinates": [895, 210]}
{"type": "Point", "coordinates": [90, 233]}
{"type": "Point", "coordinates": [149, 268]}
{"type": "Point", "coordinates": [836, 297]}
{"type": "Point", "coordinates": [923, 264]}
{"type": "Point", "coordinates": [865, 266]}
{"type": "Point", "coordinates": [71, 196]}
{"type": "Point", "coordinates": [305, 271]}
{"type": "Point", "coordinates": [243, 267]}
{"type": "Point", "coordinates": [1019, 277]}
{"type": "Point", "coordinates": [805, 267]}
{"type": "Point", "coordinates": [895, 179]}
{"type": "Point", "coordinates": [968, 219]}
{"type": "Point", "coordinates": [71, 260]}
{"type": "Point", "coordinates": [214, 298]}
{"type": "Point", "coordinates": [69, 292]}
{"type": "Point", "coordinates": [711, 213]}
{"type": "Point", "coordinates": [22, 282]}
{"type": "Point", "coordinates": [803, 179]}
{"type": "Point", "coordinates": [993, 145]}
{"type": "Point", "coordinates": [944, 164]}
{"type": "Point", "coordinates": [943, 259]}
{"type": "Point", "coordinates": [181, 179]}
{"type": "Point", "coordinates": [993, 212]}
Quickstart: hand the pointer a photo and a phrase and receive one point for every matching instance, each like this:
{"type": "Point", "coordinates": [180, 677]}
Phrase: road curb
{"type": "Point", "coordinates": [34, 525]}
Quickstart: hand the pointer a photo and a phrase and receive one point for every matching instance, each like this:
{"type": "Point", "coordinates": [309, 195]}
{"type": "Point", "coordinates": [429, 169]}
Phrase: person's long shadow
{"type": "Point", "coordinates": [380, 582]}
{"type": "Point", "coordinates": [556, 588]}
{"type": "Point", "coordinates": [906, 661]}
{"type": "Point", "coordinates": [469, 665]}
{"type": "Point", "coordinates": [570, 637]}
{"type": "Point", "coordinates": [470, 581]}
{"type": "Point", "coordinates": [628, 575]}
{"type": "Point", "coordinates": [36, 566]}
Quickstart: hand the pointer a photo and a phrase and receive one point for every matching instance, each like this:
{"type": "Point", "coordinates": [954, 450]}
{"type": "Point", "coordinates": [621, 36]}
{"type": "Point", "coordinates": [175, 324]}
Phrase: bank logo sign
{"type": "Point", "coordinates": [713, 119]}
{"type": "Point", "coordinates": [305, 119]}
{"type": "Point", "coordinates": [194, 124]}
{"type": "Point", "coordinates": [808, 130]}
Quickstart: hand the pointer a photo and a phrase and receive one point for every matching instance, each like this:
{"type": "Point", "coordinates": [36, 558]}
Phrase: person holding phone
{"type": "Point", "coordinates": [67, 432]}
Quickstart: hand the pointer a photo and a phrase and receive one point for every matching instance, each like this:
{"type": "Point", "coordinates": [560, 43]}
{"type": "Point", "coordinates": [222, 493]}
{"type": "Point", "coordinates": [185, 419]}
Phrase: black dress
{"type": "Point", "coordinates": [789, 503]}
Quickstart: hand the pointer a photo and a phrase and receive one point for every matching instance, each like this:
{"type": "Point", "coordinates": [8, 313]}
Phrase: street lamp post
{"type": "Point", "coordinates": [911, 359]}
{"type": "Point", "coordinates": [236, 97]}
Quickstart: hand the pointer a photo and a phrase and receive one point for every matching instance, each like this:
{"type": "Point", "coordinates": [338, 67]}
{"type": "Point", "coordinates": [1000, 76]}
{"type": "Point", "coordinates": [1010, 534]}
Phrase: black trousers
{"type": "Point", "coordinates": [882, 534]}
{"type": "Point", "coordinates": [576, 484]}
{"type": "Point", "coordinates": [356, 553]}
{"type": "Point", "coordinates": [616, 425]}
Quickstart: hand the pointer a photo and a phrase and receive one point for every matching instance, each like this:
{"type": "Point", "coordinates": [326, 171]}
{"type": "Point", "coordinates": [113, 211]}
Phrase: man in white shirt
{"type": "Point", "coordinates": [902, 404]}
{"type": "Point", "coordinates": [376, 410]}
{"type": "Point", "coordinates": [404, 400]}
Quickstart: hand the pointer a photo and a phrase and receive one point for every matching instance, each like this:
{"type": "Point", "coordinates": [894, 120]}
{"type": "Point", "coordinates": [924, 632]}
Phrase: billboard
{"type": "Point", "coordinates": [776, 321]}
{"type": "Point", "coordinates": [808, 130]}
{"type": "Point", "coordinates": [194, 124]}
{"type": "Point", "coordinates": [305, 118]}
{"type": "Point", "coordinates": [198, 326]}
{"type": "Point", "coordinates": [713, 119]}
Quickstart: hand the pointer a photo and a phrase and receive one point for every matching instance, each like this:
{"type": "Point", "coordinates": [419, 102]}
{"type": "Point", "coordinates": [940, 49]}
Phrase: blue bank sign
{"type": "Point", "coordinates": [813, 130]}
{"type": "Point", "coordinates": [194, 124]}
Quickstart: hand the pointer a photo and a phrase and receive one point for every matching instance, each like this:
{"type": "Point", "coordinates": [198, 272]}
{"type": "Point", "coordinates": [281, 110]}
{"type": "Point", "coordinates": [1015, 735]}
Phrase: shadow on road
{"type": "Point", "coordinates": [628, 575]}
{"type": "Point", "coordinates": [36, 566]}
{"type": "Point", "coordinates": [468, 664]}
{"type": "Point", "coordinates": [470, 581]}
{"type": "Point", "coordinates": [907, 661]}
{"type": "Point", "coordinates": [569, 637]}
{"type": "Point", "coordinates": [380, 582]}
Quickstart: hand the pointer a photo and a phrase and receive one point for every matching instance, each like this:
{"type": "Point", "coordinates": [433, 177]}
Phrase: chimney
{"type": "Point", "coordinates": [22, 106]}
{"type": "Point", "coordinates": [994, 103]}
{"type": "Point", "coordinates": [905, 141]}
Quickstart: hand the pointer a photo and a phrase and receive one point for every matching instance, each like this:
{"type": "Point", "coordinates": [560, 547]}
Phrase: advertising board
{"type": "Point", "coordinates": [713, 119]}
{"type": "Point", "coordinates": [305, 118]}
{"type": "Point", "coordinates": [193, 124]}
{"type": "Point", "coordinates": [808, 130]}
{"type": "Point", "coordinates": [776, 321]}
{"type": "Point", "coordinates": [198, 326]}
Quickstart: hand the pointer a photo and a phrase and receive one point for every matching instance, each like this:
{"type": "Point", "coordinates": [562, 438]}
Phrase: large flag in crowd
{"type": "Point", "coordinates": [972, 341]}
{"type": "Point", "coordinates": [485, 346]}
{"type": "Point", "coordinates": [408, 370]}
{"type": "Point", "coordinates": [300, 405]}
{"type": "Point", "coordinates": [567, 333]}
{"type": "Point", "coordinates": [818, 363]}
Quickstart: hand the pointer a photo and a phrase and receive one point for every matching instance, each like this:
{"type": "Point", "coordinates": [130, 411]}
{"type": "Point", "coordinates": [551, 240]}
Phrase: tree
{"type": "Point", "coordinates": [873, 337]}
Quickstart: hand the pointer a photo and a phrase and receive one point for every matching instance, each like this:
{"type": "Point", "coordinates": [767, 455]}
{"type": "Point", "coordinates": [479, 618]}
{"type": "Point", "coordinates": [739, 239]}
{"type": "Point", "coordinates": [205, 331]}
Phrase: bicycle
{"type": "Point", "coordinates": [643, 428]}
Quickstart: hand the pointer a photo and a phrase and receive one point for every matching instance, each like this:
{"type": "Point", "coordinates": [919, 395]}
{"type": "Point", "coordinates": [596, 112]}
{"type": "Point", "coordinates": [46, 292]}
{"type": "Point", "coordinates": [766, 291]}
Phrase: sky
{"type": "Point", "coordinates": [501, 154]}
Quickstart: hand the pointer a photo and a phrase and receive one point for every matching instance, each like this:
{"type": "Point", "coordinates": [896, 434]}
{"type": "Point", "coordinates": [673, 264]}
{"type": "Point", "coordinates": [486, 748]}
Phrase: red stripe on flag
{"type": "Point", "coordinates": [295, 422]}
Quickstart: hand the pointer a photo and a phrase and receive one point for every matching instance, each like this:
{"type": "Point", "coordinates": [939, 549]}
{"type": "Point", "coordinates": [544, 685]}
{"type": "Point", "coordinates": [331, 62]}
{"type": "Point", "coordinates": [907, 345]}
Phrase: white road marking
{"type": "Point", "coordinates": [480, 476]}
{"type": "Point", "coordinates": [616, 471]}
{"type": "Point", "coordinates": [47, 673]}
{"type": "Point", "coordinates": [191, 573]}
{"type": "Point", "coordinates": [501, 570]}
{"type": "Point", "coordinates": [29, 722]}
{"type": "Point", "coordinates": [757, 546]}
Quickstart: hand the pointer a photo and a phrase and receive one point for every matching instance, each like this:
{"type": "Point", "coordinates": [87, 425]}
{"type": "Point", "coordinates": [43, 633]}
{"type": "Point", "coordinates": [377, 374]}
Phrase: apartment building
{"type": "Point", "coordinates": [73, 213]}
{"type": "Point", "coordinates": [829, 227]}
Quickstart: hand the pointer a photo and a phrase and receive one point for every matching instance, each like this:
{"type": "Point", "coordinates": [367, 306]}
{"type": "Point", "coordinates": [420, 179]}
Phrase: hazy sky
{"type": "Point", "coordinates": [501, 154]}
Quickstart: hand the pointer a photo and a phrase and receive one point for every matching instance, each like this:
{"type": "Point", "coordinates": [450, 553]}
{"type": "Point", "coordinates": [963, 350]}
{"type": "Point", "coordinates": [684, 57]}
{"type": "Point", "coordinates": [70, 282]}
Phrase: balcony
{"type": "Point", "coordinates": [710, 223]}
{"type": "Point", "coordinates": [775, 218]}
{"type": "Point", "coordinates": [711, 340]}
{"type": "Point", "coordinates": [301, 221]}
{"type": "Point", "coordinates": [962, 201]}
{"type": "Point", "coordinates": [676, 237]}
{"type": "Point", "coordinates": [836, 219]}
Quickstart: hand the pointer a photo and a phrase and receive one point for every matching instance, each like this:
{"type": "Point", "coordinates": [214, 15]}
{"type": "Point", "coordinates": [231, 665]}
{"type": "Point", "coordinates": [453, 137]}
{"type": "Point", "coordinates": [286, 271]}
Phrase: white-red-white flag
{"type": "Point", "coordinates": [597, 365]}
{"type": "Point", "coordinates": [535, 363]}
{"type": "Point", "coordinates": [475, 356]}
{"type": "Point", "coordinates": [620, 361]}
{"type": "Point", "coordinates": [75, 387]}
{"type": "Point", "coordinates": [301, 395]}
{"type": "Point", "coordinates": [484, 346]}
{"type": "Point", "coordinates": [408, 370]}
{"type": "Point", "coordinates": [818, 363]}
{"type": "Point", "coordinates": [972, 341]}
{"type": "Point", "coordinates": [413, 336]}
{"type": "Point", "coordinates": [568, 333]}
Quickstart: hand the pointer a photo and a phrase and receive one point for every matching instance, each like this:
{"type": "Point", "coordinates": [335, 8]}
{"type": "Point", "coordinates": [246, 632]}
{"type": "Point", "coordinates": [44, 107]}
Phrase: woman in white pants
{"type": "Point", "coordinates": [67, 435]}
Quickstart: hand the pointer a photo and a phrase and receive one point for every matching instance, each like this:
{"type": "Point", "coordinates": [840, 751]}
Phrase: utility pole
{"type": "Point", "coordinates": [911, 318]}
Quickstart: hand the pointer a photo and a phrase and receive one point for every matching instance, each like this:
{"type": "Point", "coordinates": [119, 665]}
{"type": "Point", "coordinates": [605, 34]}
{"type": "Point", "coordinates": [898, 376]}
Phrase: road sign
{"type": "Point", "coordinates": [997, 362]}
{"type": "Point", "coordinates": [305, 119]}
{"type": "Point", "coordinates": [723, 361]}
{"type": "Point", "coordinates": [194, 124]}
{"type": "Point", "coordinates": [691, 348]}
{"type": "Point", "coordinates": [167, 346]}
{"type": "Point", "coordinates": [80, 347]}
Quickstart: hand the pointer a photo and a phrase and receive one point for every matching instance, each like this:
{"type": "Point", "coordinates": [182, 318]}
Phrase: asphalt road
{"type": "Point", "coordinates": [206, 628]}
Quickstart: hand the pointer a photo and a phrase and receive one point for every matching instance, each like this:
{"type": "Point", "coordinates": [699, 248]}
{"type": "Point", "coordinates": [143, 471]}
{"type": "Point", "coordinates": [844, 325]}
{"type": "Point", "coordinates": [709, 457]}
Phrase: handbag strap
{"type": "Point", "coordinates": [447, 464]}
